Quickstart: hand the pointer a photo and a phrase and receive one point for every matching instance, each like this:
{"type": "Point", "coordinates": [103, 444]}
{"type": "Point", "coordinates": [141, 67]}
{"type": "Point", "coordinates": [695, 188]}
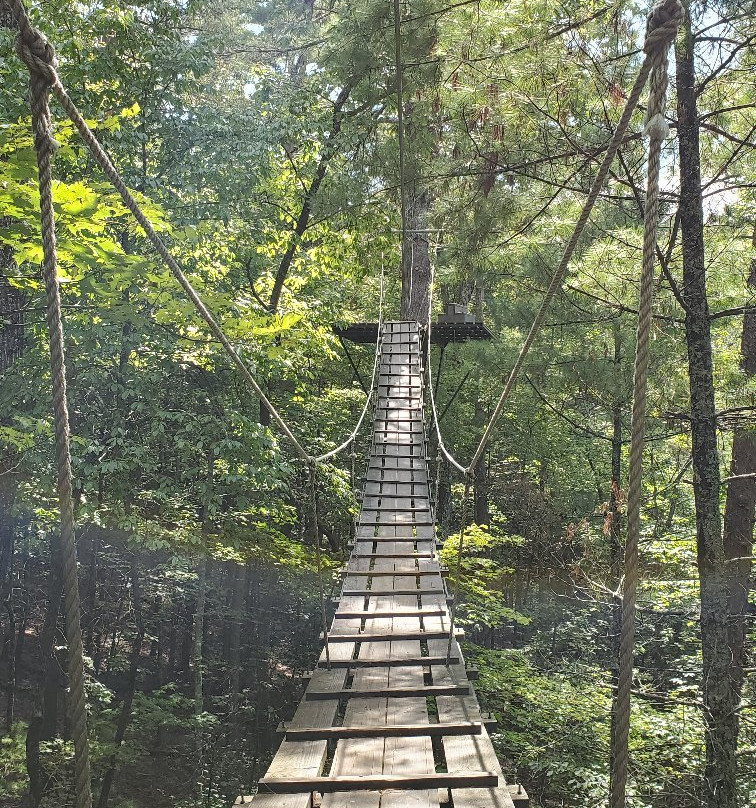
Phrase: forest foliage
{"type": "Point", "coordinates": [261, 140]}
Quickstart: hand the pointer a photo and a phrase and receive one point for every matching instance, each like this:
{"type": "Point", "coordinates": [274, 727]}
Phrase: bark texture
{"type": "Point", "coordinates": [719, 685]}
{"type": "Point", "coordinates": [415, 265]}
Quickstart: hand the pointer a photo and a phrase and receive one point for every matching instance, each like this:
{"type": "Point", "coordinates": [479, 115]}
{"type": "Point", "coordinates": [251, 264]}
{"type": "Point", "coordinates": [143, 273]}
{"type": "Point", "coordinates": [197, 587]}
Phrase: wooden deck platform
{"type": "Point", "coordinates": [389, 724]}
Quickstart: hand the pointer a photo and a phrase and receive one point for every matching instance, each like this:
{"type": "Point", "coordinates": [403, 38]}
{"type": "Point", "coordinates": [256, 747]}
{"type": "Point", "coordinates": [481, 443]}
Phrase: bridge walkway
{"type": "Point", "coordinates": [390, 725]}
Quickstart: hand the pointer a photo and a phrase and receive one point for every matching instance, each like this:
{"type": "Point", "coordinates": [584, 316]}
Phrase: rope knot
{"type": "Point", "coordinates": [661, 25]}
{"type": "Point", "coordinates": [37, 53]}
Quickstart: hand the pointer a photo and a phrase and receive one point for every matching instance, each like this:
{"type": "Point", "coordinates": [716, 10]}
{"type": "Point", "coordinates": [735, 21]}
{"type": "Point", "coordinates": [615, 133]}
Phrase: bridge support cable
{"type": "Point", "coordinates": [364, 722]}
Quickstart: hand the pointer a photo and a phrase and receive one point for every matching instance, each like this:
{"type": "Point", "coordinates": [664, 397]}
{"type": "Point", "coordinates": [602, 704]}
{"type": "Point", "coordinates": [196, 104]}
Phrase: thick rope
{"type": "Point", "coordinates": [36, 50]}
{"type": "Point", "coordinates": [667, 17]}
{"type": "Point", "coordinates": [312, 472]}
{"type": "Point", "coordinates": [431, 394]}
{"type": "Point", "coordinates": [458, 565]}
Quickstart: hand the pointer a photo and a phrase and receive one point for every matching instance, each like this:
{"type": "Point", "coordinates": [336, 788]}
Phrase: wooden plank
{"type": "Point", "coordinates": [404, 546]}
{"type": "Point", "coordinates": [304, 759]}
{"type": "Point", "coordinates": [397, 532]}
{"type": "Point", "coordinates": [393, 555]}
{"type": "Point", "coordinates": [414, 634]}
{"type": "Point", "coordinates": [382, 543]}
{"type": "Point", "coordinates": [386, 462]}
{"type": "Point", "coordinates": [364, 756]}
{"type": "Point", "coordinates": [410, 572]}
{"type": "Point", "coordinates": [383, 731]}
{"type": "Point", "coordinates": [461, 689]}
{"type": "Point", "coordinates": [392, 488]}
{"type": "Point", "coordinates": [395, 518]}
{"type": "Point", "coordinates": [471, 752]}
{"type": "Point", "coordinates": [369, 593]}
{"type": "Point", "coordinates": [391, 662]}
{"type": "Point", "coordinates": [377, 782]}
{"type": "Point", "coordinates": [405, 756]}
{"type": "Point", "coordinates": [397, 612]}
{"type": "Point", "coordinates": [388, 502]}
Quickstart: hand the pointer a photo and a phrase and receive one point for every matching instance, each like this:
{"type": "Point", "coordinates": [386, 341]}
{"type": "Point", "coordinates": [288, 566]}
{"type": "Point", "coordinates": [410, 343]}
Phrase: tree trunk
{"type": "Point", "coordinates": [720, 689]}
{"type": "Point", "coordinates": [303, 220]}
{"type": "Point", "coordinates": [739, 516]}
{"type": "Point", "coordinates": [197, 637]}
{"type": "Point", "coordinates": [124, 719]}
{"type": "Point", "coordinates": [480, 483]}
{"type": "Point", "coordinates": [44, 724]}
{"type": "Point", "coordinates": [237, 611]}
{"type": "Point", "coordinates": [615, 560]}
{"type": "Point", "coordinates": [90, 597]}
{"type": "Point", "coordinates": [415, 264]}
{"type": "Point", "coordinates": [198, 632]}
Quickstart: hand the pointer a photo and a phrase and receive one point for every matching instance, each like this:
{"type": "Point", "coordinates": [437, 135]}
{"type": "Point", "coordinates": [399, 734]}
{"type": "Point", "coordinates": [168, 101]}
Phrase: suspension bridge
{"type": "Point", "coordinates": [389, 718]}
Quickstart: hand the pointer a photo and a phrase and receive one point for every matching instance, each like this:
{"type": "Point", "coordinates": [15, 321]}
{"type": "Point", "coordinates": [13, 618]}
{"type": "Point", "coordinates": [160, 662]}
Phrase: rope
{"type": "Point", "coordinates": [373, 384]}
{"type": "Point", "coordinates": [46, 68]}
{"type": "Point", "coordinates": [437, 483]}
{"type": "Point", "coordinates": [312, 469]}
{"type": "Point", "coordinates": [662, 25]}
{"type": "Point", "coordinates": [458, 566]}
{"type": "Point", "coordinates": [431, 395]}
{"type": "Point", "coordinates": [35, 50]}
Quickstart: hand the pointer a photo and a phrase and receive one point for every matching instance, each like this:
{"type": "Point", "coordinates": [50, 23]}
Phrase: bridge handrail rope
{"type": "Point", "coordinates": [431, 396]}
{"type": "Point", "coordinates": [464, 524]}
{"type": "Point", "coordinates": [663, 22]}
{"type": "Point", "coordinates": [373, 383]}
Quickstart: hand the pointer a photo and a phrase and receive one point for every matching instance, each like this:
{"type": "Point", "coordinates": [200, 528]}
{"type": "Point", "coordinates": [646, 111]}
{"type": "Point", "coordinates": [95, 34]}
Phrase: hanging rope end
{"type": "Point", "coordinates": [656, 127]}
